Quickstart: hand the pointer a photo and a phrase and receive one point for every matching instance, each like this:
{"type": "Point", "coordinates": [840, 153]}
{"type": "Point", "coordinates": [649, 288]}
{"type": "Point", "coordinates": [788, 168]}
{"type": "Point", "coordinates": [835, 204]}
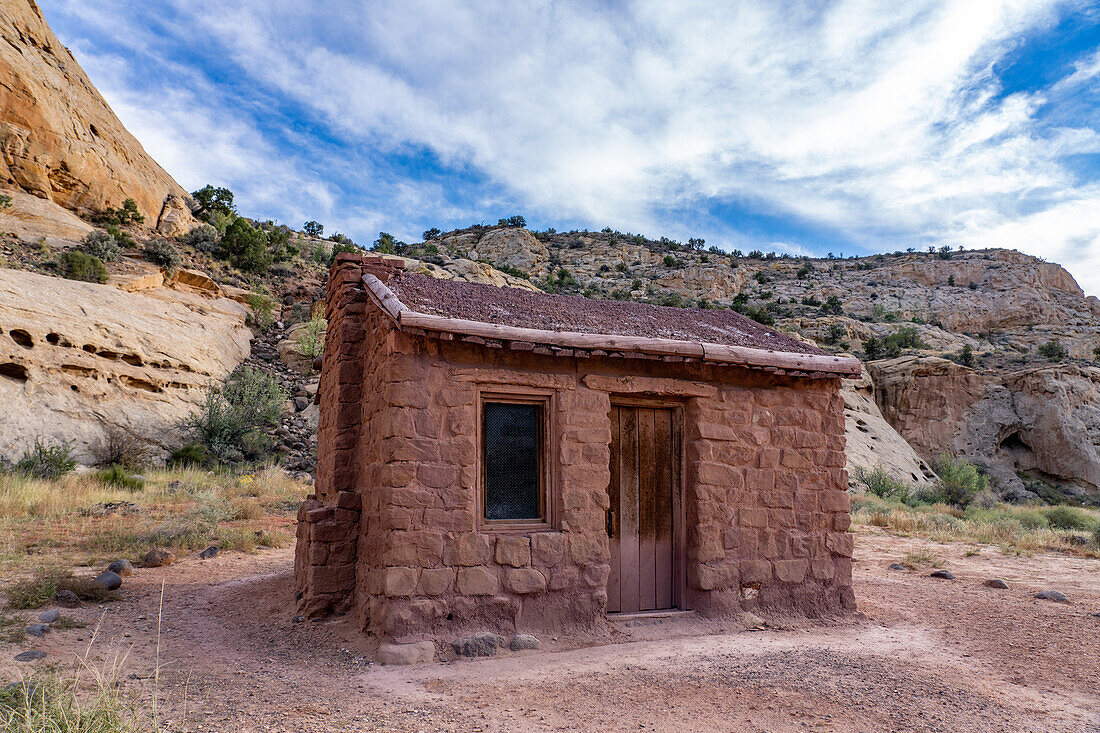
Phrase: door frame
{"type": "Point", "coordinates": [679, 513]}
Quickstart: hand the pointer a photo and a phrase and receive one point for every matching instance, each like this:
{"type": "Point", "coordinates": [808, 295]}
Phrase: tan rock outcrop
{"type": "Point", "coordinates": [176, 218]}
{"type": "Point", "coordinates": [873, 443]}
{"type": "Point", "coordinates": [76, 357]}
{"type": "Point", "coordinates": [59, 140]}
{"type": "Point", "coordinates": [1044, 420]}
{"type": "Point", "coordinates": [32, 218]}
{"type": "Point", "coordinates": [516, 248]}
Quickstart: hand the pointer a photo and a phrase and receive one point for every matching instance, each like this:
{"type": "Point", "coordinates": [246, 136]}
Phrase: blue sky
{"type": "Point", "coordinates": [849, 126]}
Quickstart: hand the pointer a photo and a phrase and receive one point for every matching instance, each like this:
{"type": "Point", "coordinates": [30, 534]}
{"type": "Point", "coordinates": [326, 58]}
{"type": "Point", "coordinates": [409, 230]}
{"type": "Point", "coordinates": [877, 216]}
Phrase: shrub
{"type": "Point", "coordinates": [101, 244]}
{"type": "Point", "coordinates": [262, 309]}
{"type": "Point", "coordinates": [513, 271]}
{"type": "Point", "coordinates": [513, 221]}
{"type": "Point", "coordinates": [118, 477]}
{"type": "Point", "coordinates": [1053, 351]}
{"type": "Point", "coordinates": [311, 341]}
{"type": "Point", "coordinates": [872, 349]}
{"type": "Point", "coordinates": [1066, 517]}
{"type": "Point", "coordinates": [164, 253]}
{"type": "Point", "coordinates": [231, 423]}
{"type": "Point", "coordinates": [204, 238]}
{"type": "Point", "coordinates": [192, 454]}
{"type": "Point", "coordinates": [832, 306]}
{"type": "Point", "coordinates": [5, 201]}
{"type": "Point", "coordinates": [882, 484]}
{"type": "Point", "coordinates": [47, 460]}
{"type": "Point", "coordinates": [959, 480]}
{"type": "Point", "coordinates": [78, 265]}
{"type": "Point", "coordinates": [245, 247]}
{"type": "Point", "coordinates": [213, 200]}
{"type": "Point", "coordinates": [1096, 536]}
{"type": "Point", "coordinates": [315, 229]}
{"type": "Point", "coordinates": [837, 331]}
{"type": "Point", "coordinates": [126, 215]}
{"type": "Point", "coordinates": [432, 233]}
{"type": "Point", "coordinates": [965, 356]}
{"type": "Point", "coordinates": [120, 446]}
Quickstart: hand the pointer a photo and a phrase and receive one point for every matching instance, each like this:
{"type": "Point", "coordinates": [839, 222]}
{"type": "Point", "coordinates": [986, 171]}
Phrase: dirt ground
{"type": "Point", "coordinates": [922, 654]}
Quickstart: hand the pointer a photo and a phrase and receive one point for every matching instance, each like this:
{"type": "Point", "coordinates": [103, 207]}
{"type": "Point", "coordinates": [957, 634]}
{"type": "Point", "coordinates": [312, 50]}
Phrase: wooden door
{"type": "Point", "coordinates": [641, 521]}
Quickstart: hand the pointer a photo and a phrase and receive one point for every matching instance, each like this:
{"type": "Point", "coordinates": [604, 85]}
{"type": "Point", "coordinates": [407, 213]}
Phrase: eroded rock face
{"type": "Point", "coordinates": [58, 138]}
{"type": "Point", "coordinates": [1044, 420]}
{"type": "Point", "coordinates": [76, 357]}
{"type": "Point", "coordinates": [176, 218]}
{"type": "Point", "coordinates": [871, 441]}
{"type": "Point", "coordinates": [33, 218]}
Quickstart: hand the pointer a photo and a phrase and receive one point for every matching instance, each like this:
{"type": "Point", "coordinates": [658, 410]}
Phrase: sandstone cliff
{"type": "Point", "coordinates": [77, 357]}
{"type": "Point", "coordinates": [59, 140]}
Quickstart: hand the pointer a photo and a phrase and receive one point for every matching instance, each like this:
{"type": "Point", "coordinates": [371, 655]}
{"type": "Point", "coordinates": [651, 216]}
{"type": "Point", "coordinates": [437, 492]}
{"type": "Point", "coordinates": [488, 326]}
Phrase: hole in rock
{"type": "Point", "coordinates": [89, 348]}
{"type": "Point", "coordinates": [22, 338]}
{"type": "Point", "coordinates": [132, 359]}
{"type": "Point", "coordinates": [11, 370]}
{"type": "Point", "coordinates": [53, 338]}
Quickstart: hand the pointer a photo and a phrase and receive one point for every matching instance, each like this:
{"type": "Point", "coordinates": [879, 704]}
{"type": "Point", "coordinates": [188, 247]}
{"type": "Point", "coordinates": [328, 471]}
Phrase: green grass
{"type": "Point", "coordinates": [1014, 528]}
{"type": "Point", "coordinates": [89, 701]}
{"type": "Point", "coordinates": [41, 588]}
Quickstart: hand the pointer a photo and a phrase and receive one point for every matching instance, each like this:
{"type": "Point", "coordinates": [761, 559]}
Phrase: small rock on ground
{"type": "Point", "coordinates": [524, 641]}
{"type": "Point", "coordinates": [156, 558]}
{"type": "Point", "coordinates": [1052, 595]}
{"type": "Point", "coordinates": [108, 580]}
{"type": "Point", "coordinates": [67, 599]}
{"type": "Point", "coordinates": [897, 566]}
{"type": "Point", "coordinates": [29, 656]}
{"type": "Point", "coordinates": [944, 574]}
{"type": "Point", "coordinates": [209, 552]}
{"type": "Point", "coordinates": [48, 617]}
{"type": "Point", "coordinates": [38, 629]}
{"type": "Point", "coordinates": [123, 567]}
{"type": "Point", "coordinates": [482, 644]}
{"type": "Point", "coordinates": [996, 583]}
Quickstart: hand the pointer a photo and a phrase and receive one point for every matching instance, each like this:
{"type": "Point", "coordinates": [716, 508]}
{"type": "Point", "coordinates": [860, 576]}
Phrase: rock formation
{"type": "Point", "coordinates": [77, 357]}
{"type": "Point", "coordinates": [873, 443]}
{"type": "Point", "coordinates": [59, 140]}
{"type": "Point", "coordinates": [1043, 421]}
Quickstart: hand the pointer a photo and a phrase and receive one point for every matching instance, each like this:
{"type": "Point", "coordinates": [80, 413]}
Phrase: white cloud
{"type": "Point", "coordinates": [877, 121]}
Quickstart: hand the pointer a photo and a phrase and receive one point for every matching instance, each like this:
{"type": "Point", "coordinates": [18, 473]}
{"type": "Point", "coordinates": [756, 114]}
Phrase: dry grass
{"type": "Point", "coordinates": [1017, 529]}
{"type": "Point", "coordinates": [83, 520]}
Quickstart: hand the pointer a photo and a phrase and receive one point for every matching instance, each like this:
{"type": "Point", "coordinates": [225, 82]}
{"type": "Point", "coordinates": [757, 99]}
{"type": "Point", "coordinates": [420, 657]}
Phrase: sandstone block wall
{"type": "Point", "coordinates": [763, 484]}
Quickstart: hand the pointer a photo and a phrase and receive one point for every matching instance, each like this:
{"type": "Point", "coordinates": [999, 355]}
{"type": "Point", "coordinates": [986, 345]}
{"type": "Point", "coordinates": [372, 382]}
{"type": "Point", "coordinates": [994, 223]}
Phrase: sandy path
{"type": "Point", "coordinates": [924, 654]}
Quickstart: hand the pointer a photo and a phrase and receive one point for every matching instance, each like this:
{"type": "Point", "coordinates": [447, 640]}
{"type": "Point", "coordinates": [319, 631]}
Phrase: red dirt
{"type": "Point", "coordinates": [923, 654]}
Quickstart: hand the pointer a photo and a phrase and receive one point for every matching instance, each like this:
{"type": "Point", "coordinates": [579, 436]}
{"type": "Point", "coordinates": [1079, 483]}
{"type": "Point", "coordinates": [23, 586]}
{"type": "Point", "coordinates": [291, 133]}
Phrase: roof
{"type": "Point", "coordinates": [604, 326]}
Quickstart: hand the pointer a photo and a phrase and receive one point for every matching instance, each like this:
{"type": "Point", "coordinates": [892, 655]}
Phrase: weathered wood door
{"type": "Point", "coordinates": [641, 520]}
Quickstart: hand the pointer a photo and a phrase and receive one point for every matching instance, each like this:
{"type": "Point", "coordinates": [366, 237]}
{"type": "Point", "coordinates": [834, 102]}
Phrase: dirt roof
{"type": "Point", "coordinates": [574, 313]}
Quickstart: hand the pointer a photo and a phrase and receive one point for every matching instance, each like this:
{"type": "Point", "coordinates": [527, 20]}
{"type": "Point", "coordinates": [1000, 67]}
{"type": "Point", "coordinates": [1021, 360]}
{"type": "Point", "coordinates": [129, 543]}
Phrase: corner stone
{"type": "Point", "coordinates": [403, 654]}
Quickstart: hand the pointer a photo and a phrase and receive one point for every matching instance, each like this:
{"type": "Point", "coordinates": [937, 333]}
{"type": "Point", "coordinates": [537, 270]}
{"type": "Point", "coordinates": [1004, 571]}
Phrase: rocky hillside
{"type": "Point", "coordinates": [983, 354]}
{"type": "Point", "coordinates": [59, 140]}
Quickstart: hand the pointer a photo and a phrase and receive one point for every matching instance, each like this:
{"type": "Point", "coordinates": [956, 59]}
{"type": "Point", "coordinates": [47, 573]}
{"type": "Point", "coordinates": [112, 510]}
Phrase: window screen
{"type": "Point", "coordinates": [512, 472]}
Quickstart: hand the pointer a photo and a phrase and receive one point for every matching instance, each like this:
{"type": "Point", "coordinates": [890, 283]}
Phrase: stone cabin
{"type": "Point", "coordinates": [495, 458]}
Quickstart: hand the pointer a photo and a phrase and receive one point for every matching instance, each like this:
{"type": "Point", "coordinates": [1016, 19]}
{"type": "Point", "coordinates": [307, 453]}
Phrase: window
{"type": "Point", "coordinates": [513, 460]}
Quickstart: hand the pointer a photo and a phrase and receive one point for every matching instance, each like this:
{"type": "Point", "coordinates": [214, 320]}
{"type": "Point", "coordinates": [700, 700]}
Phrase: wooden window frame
{"type": "Point", "coordinates": [548, 495]}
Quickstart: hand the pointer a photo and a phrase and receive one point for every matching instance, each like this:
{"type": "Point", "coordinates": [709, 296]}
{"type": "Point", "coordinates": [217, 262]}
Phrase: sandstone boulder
{"type": "Point", "coordinates": [516, 248]}
{"type": "Point", "coordinates": [176, 218]}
